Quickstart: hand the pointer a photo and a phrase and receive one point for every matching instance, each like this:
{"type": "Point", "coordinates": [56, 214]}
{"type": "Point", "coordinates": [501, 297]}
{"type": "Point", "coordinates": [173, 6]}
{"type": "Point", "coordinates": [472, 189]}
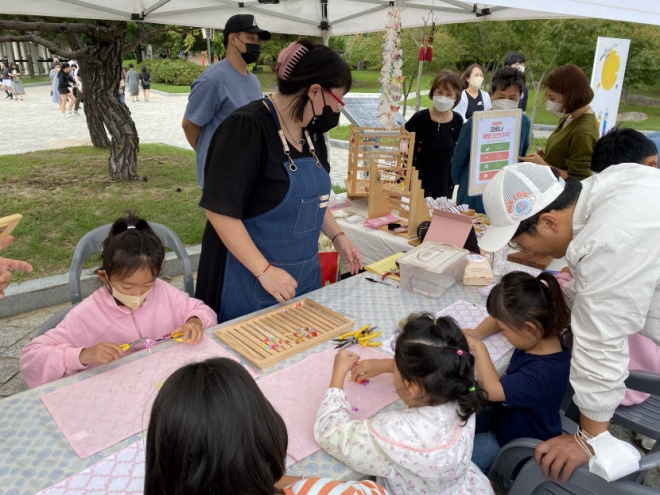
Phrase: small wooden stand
{"type": "Point", "coordinates": [291, 327]}
{"type": "Point", "coordinates": [410, 204]}
{"type": "Point", "coordinates": [530, 259]}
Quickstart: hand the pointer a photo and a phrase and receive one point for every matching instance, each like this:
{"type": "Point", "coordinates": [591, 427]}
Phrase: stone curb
{"type": "Point", "coordinates": [49, 291]}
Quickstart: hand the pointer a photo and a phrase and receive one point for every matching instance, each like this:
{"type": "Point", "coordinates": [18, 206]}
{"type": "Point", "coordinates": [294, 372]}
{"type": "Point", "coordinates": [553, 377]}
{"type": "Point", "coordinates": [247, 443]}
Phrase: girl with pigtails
{"type": "Point", "coordinates": [532, 315]}
{"type": "Point", "coordinates": [132, 305]}
{"type": "Point", "coordinates": [427, 447]}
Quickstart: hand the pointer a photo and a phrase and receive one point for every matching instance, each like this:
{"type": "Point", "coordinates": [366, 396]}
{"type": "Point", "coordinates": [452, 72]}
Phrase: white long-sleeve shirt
{"type": "Point", "coordinates": [416, 451]}
{"type": "Point", "coordinates": [615, 260]}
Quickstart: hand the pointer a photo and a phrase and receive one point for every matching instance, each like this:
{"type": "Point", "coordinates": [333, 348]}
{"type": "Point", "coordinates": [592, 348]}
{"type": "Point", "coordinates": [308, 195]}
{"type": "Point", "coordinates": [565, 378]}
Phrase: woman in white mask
{"type": "Point", "coordinates": [570, 146]}
{"type": "Point", "coordinates": [506, 87]}
{"type": "Point", "coordinates": [436, 132]}
{"type": "Point", "coordinates": [473, 99]}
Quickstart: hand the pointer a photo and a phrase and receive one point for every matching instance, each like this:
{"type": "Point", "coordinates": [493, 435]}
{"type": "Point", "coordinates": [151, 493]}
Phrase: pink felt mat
{"type": "Point", "coordinates": [99, 412]}
{"type": "Point", "coordinates": [297, 391]}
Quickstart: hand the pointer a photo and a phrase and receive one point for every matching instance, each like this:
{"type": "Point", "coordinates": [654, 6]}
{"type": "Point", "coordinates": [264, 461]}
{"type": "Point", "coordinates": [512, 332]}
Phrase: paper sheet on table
{"type": "Point", "coordinates": [122, 472]}
{"type": "Point", "coordinates": [99, 412]}
{"type": "Point", "coordinates": [297, 391]}
{"type": "Point", "coordinates": [468, 315]}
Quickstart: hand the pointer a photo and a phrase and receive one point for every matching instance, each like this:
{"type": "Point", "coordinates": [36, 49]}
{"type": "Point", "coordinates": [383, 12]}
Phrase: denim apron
{"type": "Point", "coordinates": [287, 235]}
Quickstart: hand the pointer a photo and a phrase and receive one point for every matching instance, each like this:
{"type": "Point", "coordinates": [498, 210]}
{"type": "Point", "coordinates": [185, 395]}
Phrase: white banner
{"type": "Point", "coordinates": [607, 80]}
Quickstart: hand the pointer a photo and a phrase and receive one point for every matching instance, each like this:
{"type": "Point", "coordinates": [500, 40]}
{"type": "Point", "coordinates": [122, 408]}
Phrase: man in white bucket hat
{"type": "Point", "coordinates": [608, 228]}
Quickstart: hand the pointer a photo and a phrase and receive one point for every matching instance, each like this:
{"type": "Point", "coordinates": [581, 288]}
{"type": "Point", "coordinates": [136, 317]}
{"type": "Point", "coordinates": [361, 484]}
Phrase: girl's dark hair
{"type": "Point", "coordinates": [212, 431]}
{"type": "Point", "coordinates": [320, 65]}
{"type": "Point", "coordinates": [434, 354]}
{"type": "Point", "coordinates": [143, 68]}
{"type": "Point", "coordinates": [572, 83]}
{"type": "Point", "coordinates": [522, 298]}
{"type": "Point", "coordinates": [64, 65]}
{"type": "Point", "coordinates": [468, 72]}
{"type": "Point", "coordinates": [131, 245]}
{"type": "Point", "coordinates": [447, 79]}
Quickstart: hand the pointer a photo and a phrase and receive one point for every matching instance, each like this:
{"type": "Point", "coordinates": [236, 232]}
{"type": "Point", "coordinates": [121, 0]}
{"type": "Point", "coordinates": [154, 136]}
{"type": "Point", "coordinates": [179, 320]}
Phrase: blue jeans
{"type": "Point", "coordinates": [486, 446]}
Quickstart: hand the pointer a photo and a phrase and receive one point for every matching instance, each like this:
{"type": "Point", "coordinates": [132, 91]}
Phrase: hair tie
{"type": "Point", "coordinates": [130, 227]}
{"type": "Point", "coordinates": [459, 352]}
{"type": "Point", "coordinates": [288, 58]}
{"type": "Point", "coordinates": [472, 389]}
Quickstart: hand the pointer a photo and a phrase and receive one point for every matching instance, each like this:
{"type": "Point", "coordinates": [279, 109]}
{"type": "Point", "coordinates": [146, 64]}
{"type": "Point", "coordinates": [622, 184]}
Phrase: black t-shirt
{"type": "Point", "coordinates": [474, 104]}
{"type": "Point", "coordinates": [244, 177]}
{"type": "Point", "coordinates": [145, 77]}
{"type": "Point", "coordinates": [5, 73]}
{"type": "Point", "coordinates": [63, 81]}
{"type": "Point", "coordinates": [434, 149]}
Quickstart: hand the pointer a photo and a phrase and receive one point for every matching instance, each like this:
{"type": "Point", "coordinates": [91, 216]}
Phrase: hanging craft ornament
{"type": "Point", "coordinates": [391, 73]}
{"type": "Point", "coordinates": [429, 48]}
{"type": "Point", "coordinates": [421, 45]}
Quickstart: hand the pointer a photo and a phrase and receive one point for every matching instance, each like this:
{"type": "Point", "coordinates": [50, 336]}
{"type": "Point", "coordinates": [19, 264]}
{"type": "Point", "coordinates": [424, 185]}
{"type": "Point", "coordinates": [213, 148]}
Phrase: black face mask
{"type": "Point", "coordinates": [328, 119]}
{"type": "Point", "coordinates": [252, 52]}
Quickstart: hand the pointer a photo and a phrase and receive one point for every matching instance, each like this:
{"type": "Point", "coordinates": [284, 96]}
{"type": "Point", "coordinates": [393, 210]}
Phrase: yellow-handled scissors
{"type": "Point", "coordinates": [175, 336]}
{"type": "Point", "coordinates": [362, 336]}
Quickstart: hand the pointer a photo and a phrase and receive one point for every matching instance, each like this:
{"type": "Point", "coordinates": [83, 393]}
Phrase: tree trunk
{"type": "Point", "coordinates": [104, 110]}
{"type": "Point", "coordinates": [138, 54]}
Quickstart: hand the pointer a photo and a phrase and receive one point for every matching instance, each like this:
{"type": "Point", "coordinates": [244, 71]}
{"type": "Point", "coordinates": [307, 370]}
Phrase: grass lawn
{"type": "Point", "coordinates": [168, 88]}
{"type": "Point", "coordinates": [74, 183]}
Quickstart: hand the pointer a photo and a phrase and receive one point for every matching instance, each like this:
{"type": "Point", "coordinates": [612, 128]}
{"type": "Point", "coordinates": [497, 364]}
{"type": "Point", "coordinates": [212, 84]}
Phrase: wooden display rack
{"type": "Point", "coordinates": [252, 337]}
{"type": "Point", "coordinates": [378, 155]}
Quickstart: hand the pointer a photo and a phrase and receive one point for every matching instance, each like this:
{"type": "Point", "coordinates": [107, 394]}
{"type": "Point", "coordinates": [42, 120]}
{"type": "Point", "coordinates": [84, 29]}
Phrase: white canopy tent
{"type": "Point", "coordinates": [330, 17]}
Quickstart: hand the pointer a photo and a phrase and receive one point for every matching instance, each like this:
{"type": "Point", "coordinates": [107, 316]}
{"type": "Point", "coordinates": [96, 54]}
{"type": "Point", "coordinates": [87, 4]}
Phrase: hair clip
{"type": "Point", "coordinates": [130, 227]}
{"type": "Point", "coordinates": [435, 322]}
{"type": "Point", "coordinates": [459, 352]}
{"type": "Point", "coordinates": [288, 59]}
{"type": "Point", "coordinates": [472, 389]}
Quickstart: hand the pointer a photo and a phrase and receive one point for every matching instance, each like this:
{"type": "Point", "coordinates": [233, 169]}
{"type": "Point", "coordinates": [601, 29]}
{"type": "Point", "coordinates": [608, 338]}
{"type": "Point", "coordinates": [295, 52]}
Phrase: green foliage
{"type": "Point", "coordinates": [174, 72]}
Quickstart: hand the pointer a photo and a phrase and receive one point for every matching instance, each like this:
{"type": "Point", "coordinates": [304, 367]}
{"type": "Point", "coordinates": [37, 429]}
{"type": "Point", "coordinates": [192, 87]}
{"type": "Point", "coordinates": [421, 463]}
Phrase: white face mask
{"type": "Point", "coordinates": [443, 103]}
{"type": "Point", "coordinates": [476, 82]}
{"type": "Point", "coordinates": [505, 104]}
{"type": "Point", "coordinates": [521, 68]}
{"type": "Point", "coordinates": [555, 108]}
{"type": "Point", "coordinates": [133, 302]}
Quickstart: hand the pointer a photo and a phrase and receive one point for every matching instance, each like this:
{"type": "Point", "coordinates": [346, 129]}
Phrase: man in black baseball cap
{"type": "Point", "coordinates": [225, 86]}
{"type": "Point", "coordinates": [246, 23]}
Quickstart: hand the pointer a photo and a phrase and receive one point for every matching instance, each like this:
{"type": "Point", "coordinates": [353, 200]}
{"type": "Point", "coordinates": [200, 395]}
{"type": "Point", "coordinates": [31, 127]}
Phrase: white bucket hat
{"type": "Point", "coordinates": [516, 193]}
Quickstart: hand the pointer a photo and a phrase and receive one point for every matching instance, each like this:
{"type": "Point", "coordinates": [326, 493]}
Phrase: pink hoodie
{"type": "Point", "coordinates": [99, 318]}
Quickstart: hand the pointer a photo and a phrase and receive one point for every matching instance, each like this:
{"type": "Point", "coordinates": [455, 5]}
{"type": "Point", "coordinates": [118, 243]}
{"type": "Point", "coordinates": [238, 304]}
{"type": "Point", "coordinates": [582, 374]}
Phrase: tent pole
{"type": "Point", "coordinates": [419, 84]}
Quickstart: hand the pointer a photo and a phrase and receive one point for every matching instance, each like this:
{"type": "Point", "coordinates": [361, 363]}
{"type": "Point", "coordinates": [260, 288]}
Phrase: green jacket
{"type": "Point", "coordinates": [570, 148]}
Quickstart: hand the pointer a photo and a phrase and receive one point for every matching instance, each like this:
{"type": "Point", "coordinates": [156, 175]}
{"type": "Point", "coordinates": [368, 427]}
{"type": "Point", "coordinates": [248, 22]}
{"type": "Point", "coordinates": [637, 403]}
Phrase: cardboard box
{"type": "Point", "coordinates": [453, 229]}
{"type": "Point", "coordinates": [431, 268]}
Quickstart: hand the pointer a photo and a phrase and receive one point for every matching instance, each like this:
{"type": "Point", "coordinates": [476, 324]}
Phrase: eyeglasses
{"type": "Point", "coordinates": [341, 103]}
{"type": "Point", "coordinates": [517, 246]}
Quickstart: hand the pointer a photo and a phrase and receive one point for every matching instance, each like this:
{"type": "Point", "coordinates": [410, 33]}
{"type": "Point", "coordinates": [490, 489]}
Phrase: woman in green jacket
{"type": "Point", "coordinates": [571, 144]}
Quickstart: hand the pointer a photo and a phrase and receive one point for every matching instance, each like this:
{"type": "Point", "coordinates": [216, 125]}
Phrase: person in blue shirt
{"type": "Point", "coordinates": [506, 87]}
{"type": "Point", "coordinates": [224, 86]}
{"type": "Point", "coordinates": [531, 313]}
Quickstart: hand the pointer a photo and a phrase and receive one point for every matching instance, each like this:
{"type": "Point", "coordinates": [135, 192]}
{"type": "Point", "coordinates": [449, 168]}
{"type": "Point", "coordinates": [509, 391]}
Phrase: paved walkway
{"type": "Point", "coordinates": [37, 124]}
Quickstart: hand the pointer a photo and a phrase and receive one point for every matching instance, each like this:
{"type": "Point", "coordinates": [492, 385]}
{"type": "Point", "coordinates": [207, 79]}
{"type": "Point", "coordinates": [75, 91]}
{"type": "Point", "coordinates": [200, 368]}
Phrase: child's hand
{"type": "Point", "coordinates": [104, 353]}
{"type": "Point", "coordinates": [363, 370]}
{"type": "Point", "coordinates": [344, 361]}
{"type": "Point", "coordinates": [193, 330]}
{"type": "Point", "coordinates": [470, 332]}
{"type": "Point", "coordinates": [474, 344]}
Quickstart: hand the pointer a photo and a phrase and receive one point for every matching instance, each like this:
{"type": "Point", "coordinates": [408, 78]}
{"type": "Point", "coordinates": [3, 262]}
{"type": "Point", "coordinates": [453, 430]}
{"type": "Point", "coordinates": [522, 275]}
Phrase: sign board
{"type": "Point", "coordinates": [607, 80]}
{"type": "Point", "coordinates": [495, 144]}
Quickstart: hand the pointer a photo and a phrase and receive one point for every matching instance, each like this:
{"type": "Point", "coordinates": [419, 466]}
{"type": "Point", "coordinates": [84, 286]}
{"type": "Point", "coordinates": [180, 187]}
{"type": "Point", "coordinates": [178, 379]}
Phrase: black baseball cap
{"type": "Point", "coordinates": [247, 23]}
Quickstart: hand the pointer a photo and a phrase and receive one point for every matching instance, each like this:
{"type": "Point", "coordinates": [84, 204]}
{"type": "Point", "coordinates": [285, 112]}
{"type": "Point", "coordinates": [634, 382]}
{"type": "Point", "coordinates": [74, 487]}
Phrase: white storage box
{"type": "Point", "coordinates": [432, 268]}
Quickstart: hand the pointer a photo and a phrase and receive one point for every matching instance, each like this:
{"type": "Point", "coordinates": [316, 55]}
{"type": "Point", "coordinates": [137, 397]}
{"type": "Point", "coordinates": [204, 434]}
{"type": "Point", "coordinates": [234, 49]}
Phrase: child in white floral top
{"type": "Point", "coordinates": [425, 449]}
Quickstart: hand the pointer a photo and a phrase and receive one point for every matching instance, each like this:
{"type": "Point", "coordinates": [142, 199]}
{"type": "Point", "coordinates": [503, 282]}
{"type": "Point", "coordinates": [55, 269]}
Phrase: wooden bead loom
{"type": "Point", "coordinates": [279, 334]}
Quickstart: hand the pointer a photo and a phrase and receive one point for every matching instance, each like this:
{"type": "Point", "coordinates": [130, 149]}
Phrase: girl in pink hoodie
{"type": "Point", "coordinates": [133, 305]}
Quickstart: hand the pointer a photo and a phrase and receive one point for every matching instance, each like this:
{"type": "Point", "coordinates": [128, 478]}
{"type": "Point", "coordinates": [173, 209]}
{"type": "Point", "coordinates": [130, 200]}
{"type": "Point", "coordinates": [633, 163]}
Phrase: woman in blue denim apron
{"type": "Point", "coordinates": [267, 190]}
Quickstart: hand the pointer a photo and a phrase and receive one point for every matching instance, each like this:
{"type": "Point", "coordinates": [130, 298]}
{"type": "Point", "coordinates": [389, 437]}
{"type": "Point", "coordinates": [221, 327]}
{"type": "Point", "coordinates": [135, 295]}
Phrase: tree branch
{"type": "Point", "coordinates": [50, 27]}
{"type": "Point", "coordinates": [54, 48]}
{"type": "Point", "coordinates": [137, 39]}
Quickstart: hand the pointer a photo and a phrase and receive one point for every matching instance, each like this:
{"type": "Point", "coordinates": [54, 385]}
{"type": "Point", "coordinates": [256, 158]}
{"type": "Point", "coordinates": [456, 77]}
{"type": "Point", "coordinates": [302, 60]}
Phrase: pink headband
{"type": "Point", "coordinates": [288, 58]}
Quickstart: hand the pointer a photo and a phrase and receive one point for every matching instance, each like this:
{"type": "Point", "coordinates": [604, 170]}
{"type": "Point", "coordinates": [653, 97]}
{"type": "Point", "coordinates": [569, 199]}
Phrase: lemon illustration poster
{"type": "Point", "coordinates": [607, 80]}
